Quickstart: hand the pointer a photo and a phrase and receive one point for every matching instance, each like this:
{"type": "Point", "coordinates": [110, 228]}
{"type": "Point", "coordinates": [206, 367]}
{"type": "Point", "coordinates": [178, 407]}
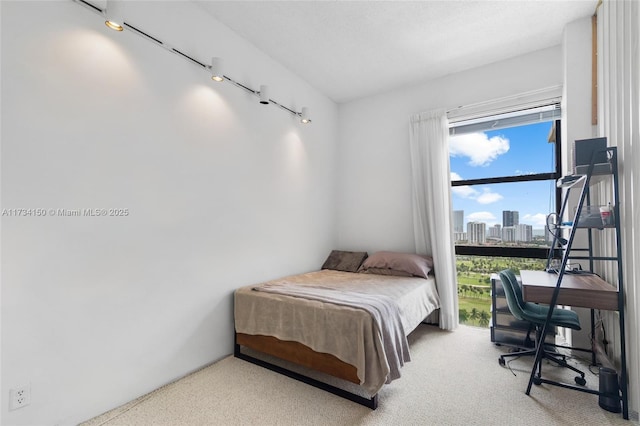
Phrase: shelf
{"type": "Point", "coordinates": [572, 180]}
{"type": "Point", "coordinates": [599, 169]}
{"type": "Point", "coordinates": [586, 227]}
{"type": "Point", "coordinates": [585, 290]}
{"type": "Point", "coordinates": [596, 227]}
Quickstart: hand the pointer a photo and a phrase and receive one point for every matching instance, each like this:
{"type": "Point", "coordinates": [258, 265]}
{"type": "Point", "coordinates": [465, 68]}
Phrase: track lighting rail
{"type": "Point", "coordinates": [140, 32]}
{"type": "Point", "coordinates": [216, 62]}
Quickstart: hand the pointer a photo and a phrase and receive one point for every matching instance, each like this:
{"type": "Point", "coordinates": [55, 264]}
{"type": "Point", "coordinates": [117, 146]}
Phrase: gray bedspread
{"type": "Point", "coordinates": [384, 311]}
{"type": "Point", "coordinates": [351, 334]}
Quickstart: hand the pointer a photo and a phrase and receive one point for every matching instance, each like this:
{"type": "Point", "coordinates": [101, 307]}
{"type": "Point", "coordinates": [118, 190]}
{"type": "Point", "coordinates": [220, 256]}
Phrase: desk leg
{"type": "Point", "coordinates": [593, 336]}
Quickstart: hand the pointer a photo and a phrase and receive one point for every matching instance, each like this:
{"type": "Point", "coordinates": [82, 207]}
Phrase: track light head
{"type": "Point", "coordinates": [216, 69]}
{"type": "Point", "coordinates": [114, 17]}
{"type": "Point", "coordinates": [304, 116]}
{"type": "Point", "coordinates": [264, 95]}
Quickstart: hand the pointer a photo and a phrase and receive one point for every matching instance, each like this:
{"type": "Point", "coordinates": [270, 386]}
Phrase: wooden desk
{"type": "Point", "coordinates": [586, 291]}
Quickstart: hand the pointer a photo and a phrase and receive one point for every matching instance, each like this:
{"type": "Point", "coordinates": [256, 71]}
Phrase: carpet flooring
{"type": "Point", "coordinates": [453, 379]}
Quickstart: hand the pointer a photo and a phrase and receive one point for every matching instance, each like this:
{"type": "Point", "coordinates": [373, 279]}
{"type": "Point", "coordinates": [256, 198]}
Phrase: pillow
{"type": "Point", "coordinates": [414, 264]}
{"type": "Point", "coordinates": [347, 261]}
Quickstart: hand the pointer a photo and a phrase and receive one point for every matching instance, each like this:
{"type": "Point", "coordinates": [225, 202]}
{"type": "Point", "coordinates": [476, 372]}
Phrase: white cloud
{"type": "Point", "coordinates": [462, 191]}
{"type": "Point", "coordinates": [481, 217]}
{"type": "Point", "coordinates": [538, 220]}
{"type": "Point", "coordinates": [488, 197]}
{"type": "Point", "coordinates": [480, 149]}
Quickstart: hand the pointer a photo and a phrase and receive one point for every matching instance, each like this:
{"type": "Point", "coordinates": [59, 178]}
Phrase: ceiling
{"type": "Point", "coordinates": [352, 49]}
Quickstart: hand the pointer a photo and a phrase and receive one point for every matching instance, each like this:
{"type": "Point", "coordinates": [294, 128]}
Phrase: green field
{"type": "Point", "coordinates": [474, 284]}
{"type": "Point", "coordinates": [467, 304]}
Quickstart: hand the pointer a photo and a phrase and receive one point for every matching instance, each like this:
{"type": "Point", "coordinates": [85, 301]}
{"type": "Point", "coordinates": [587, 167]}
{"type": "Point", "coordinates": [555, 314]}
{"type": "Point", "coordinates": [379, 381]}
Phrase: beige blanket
{"type": "Point", "coordinates": [346, 332]}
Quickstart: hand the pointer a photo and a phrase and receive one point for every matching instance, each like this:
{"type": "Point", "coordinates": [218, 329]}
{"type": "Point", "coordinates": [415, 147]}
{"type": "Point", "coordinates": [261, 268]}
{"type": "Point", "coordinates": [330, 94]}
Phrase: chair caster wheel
{"type": "Point", "coordinates": [537, 381]}
{"type": "Point", "coordinates": [502, 362]}
{"type": "Point", "coordinates": [580, 380]}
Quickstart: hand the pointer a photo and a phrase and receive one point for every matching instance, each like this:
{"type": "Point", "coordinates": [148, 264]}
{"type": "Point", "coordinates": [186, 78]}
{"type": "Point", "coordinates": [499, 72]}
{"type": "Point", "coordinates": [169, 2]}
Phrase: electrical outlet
{"type": "Point", "coordinates": [19, 397]}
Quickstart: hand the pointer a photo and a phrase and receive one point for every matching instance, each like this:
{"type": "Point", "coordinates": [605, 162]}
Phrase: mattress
{"type": "Point", "coordinates": [348, 333]}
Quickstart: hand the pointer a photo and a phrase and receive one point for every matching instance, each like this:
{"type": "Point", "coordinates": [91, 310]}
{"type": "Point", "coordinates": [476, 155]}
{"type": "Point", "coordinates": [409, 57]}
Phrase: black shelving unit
{"type": "Point", "coordinates": [586, 219]}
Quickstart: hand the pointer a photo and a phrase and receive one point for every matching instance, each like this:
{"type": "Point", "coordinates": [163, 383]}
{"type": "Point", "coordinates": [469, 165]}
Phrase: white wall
{"type": "Point", "coordinates": [619, 121]}
{"type": "Point", "coordinates": [576, 124]}
{"type": "Point", "coordinates": [375, 197]}
{"type": "Point", "coordinates": [577, 107]}
{"type": "Point", "coordinates": [221, 192]}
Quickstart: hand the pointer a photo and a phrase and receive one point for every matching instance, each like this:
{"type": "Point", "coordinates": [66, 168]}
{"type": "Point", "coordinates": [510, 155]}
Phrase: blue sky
{"type": "Point", "coordinates": [504, 152]}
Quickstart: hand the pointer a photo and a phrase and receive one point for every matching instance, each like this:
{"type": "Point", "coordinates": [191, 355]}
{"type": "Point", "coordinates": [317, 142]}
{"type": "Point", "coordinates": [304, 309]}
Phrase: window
{"type": "Point", "coordinates": [503, 173]}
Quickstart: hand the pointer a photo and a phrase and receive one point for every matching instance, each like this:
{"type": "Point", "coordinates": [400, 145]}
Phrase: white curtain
{"type": "Point", "coordinates": [432, 213]}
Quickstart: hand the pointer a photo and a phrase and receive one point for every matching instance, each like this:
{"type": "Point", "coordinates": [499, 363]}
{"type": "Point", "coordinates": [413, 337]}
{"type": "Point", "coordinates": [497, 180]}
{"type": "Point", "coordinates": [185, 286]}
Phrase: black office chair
{"type": "Point", "coordinates": [537, 315]}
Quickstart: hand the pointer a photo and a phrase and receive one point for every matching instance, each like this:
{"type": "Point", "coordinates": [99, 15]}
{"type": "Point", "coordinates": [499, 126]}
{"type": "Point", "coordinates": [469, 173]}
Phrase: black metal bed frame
{"type": "Point", "coordinates": [367, 402]}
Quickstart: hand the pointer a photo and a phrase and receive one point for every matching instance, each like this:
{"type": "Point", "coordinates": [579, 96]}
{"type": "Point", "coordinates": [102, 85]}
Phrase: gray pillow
{"type": "Point", "coordinates": [347, 261]}
{"type": "Point", "coordinates": [414, 264]}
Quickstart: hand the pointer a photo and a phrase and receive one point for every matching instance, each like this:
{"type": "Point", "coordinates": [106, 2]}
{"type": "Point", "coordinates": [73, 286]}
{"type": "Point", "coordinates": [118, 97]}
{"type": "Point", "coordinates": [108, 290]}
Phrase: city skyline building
{"type": "Point", "coordinates": [495, 231]}
{"type": "Point", "coordinates": [459, 236]}
{"type": "Point", "coordinates": [458, 221]}
{"type": "Point", "coordinates": [477, 232]}
{"type": "Point", "coordinates": [510, 218]}
{"type": "Point", "coordinates": [524, 233]}
{"type": "Point", "coordinates": [509, 234]}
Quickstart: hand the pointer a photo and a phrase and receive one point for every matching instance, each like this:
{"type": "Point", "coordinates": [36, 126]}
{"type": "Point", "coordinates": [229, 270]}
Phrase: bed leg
{"type": "Point", "coordinates": [236, 346]}
{"type": "Point", "coordinates": [374, 402]}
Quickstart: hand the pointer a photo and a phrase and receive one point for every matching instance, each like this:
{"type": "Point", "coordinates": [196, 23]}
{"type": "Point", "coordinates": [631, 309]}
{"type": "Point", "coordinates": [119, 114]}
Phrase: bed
{"type": "Point", "coordinates": [349, 320]}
